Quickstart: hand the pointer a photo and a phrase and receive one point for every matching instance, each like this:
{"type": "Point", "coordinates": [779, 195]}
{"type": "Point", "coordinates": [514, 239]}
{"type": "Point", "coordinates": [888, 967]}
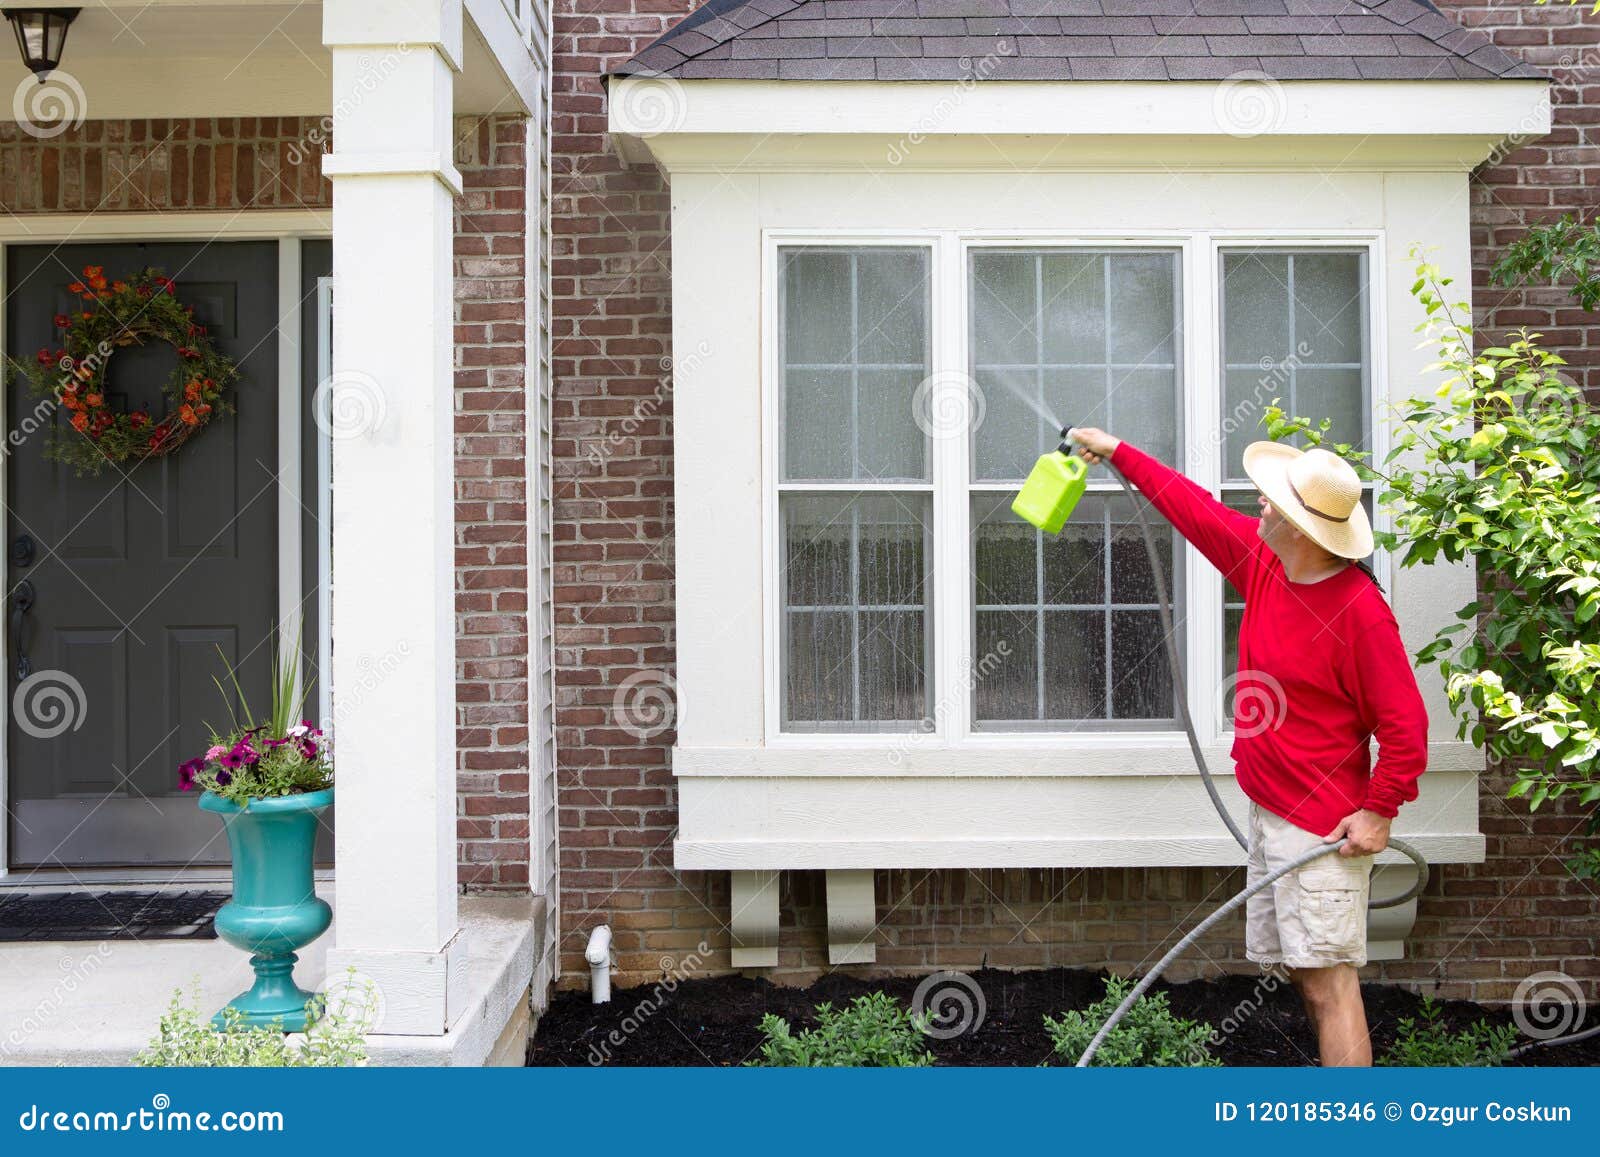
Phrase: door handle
{"type": "Point", "coordinates": [21, 604]}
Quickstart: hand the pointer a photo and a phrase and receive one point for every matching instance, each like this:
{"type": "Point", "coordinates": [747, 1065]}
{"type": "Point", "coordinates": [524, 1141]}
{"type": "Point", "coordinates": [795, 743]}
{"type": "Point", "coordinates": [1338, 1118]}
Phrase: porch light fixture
{"type": "Point", "coordinates": [41, 35]}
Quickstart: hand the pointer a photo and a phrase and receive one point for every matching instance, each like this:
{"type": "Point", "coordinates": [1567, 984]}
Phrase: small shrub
{"type": "Point", "coordinates": [1427, 1042]}
{"type": "Point", "coordinates": [872, 1032]}
{"type": "Point", "coordinates": [186, 1039]}
{"type": "Point", "coordinates": [1151, 1034]}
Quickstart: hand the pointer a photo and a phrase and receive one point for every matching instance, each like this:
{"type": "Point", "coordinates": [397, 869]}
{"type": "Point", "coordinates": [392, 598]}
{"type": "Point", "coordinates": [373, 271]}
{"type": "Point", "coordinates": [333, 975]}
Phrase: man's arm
{"type": "Point", "coordinates": [1226, 537]}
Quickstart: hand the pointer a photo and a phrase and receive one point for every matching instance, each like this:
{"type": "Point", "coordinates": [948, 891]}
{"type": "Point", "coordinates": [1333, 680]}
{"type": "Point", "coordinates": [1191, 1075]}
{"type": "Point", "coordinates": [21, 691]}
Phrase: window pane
{"type": "Point", "coordinates": [1076, 613]}
{"type": "Point", "coordinates": [1072, 337]}
{"type": "Point", "coordinates": [856, 629]}
{"type": "Point", "coordinates": [1294, 328]}
{"type": "Point", "coordinates": [1005, 309]}
{"type": "Point", "coordinates": [855, 348]}
{"type": "Point", "coordinates": [1143, 314]}
{"type": "Point", "coordinates": [1337, 394]}
{"type": "Point", "coordinates": [1139, 665]}
{"type": "Point", "coordinates": [1328, 306]}
{"type": "Point", "coordinates": [1255, 288]}
{"type": "Point", "coordinates": [1074, 286]}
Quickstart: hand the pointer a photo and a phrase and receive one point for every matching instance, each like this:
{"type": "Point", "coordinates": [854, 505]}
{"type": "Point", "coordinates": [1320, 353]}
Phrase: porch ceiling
{"type": "Point", "coordinates": [187, 58]}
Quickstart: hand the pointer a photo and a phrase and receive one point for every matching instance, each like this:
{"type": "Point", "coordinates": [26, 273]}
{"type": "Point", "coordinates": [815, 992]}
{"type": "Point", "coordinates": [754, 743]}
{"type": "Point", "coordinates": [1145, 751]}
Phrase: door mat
{"type": "Point", "coordinates": [110, 915]}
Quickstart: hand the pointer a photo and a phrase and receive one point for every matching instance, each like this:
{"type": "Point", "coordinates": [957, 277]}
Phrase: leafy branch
{"type": "Point", "coordinates": [1564, 251]}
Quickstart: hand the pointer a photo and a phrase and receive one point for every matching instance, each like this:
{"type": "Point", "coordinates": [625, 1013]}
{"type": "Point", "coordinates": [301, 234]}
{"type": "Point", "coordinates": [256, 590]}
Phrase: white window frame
{"type": "Point", "coordinates": [1199, 357]}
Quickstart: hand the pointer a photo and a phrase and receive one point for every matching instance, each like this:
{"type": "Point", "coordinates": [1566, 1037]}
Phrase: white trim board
{"type": "Point", "coordinates": [1109, 852]}
{"type": "Point", "coordinates": [1114, 108]}
{"type": "Point", "coordinates": [287, 228]}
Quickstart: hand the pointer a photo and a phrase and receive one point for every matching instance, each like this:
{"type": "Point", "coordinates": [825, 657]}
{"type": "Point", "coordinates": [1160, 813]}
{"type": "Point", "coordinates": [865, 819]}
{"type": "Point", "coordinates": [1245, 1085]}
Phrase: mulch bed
{"type": "Point", "coordinates": [714, 1021]}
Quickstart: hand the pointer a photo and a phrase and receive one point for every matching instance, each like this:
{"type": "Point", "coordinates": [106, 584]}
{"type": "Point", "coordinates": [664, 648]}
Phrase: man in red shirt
{"type": "Point", "coordinates": [1320, 654]}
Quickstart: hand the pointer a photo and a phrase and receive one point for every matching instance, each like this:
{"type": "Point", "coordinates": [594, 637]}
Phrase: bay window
{"type": "Point", "coordinates": [908, 598]}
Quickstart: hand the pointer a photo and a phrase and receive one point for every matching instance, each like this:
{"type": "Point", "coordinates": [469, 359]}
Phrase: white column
{"type": "Point", "coordinates": [393, 475]}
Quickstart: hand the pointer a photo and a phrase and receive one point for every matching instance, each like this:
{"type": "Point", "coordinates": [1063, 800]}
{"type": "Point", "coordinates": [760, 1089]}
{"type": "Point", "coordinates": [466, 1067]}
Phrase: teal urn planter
{"type": "Point", "coordinates": [275, 909]}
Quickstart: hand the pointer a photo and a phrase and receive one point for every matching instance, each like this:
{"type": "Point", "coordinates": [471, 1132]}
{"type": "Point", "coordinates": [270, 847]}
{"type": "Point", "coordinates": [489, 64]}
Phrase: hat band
{"type": "Point", "coordinates": [1312, 509]}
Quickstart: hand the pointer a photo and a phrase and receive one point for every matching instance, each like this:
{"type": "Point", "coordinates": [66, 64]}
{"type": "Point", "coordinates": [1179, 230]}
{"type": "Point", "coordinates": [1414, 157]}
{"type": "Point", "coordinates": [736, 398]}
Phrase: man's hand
{"type": "Point", "coordinates": [1093, 444]}
{"type": "Point", "coordinates": [1366, 833]}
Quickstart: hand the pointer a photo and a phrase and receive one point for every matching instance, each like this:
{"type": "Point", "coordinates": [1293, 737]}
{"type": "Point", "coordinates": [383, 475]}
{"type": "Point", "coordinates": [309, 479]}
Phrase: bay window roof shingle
{"type": "Point", "coordinates": [1072, 40]}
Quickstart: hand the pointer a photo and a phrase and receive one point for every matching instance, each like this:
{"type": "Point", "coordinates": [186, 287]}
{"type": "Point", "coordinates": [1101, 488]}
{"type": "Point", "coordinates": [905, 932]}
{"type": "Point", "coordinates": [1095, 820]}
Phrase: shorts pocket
{"type": "Point", "coordinates": [1333, 908]}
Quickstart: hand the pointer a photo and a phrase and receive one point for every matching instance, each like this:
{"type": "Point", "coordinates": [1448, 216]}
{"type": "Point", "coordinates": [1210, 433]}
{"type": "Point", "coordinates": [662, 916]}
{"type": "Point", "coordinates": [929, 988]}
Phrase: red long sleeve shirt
{"type": "Point", "coordinates": [1321, 669]}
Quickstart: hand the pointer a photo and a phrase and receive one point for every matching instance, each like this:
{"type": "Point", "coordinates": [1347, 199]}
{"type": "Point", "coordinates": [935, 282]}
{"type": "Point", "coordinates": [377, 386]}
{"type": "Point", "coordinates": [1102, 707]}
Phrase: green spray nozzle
{"type": "Point", "coordinates": [1053, 488]}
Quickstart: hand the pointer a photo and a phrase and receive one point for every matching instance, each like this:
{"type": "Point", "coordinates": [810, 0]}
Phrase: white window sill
{"type": "Point", "coordinates": [1019, 756]}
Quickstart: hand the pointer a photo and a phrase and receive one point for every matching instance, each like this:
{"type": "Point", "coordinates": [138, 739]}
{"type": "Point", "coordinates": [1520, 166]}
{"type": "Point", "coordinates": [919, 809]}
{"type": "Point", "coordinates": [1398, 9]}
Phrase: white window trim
{"type": "Point", "coordinates": [1200, 253]}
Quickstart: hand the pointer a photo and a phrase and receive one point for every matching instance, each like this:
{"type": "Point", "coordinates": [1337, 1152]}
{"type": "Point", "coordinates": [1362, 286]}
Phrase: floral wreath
{"type": "Point", "coordinates": [117, 314]}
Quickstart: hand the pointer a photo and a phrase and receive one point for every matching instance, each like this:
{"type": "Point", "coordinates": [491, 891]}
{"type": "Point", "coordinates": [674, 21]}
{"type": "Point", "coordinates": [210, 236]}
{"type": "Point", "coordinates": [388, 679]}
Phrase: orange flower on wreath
{"type": "Point", "coordinates": [186, 412]}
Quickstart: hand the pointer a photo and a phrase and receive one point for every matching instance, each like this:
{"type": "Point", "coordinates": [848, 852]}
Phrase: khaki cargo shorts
{"type": "Point", "coordinates": [1314, 917]}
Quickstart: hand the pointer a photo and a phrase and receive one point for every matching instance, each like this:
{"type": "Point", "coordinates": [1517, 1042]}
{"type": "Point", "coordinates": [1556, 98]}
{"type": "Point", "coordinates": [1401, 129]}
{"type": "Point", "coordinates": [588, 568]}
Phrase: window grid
{"type": "Point", "coordinates": [1039, 608]}
{"type": "Point", "coordinates": [1292, 364]}
{"type": "Point", "coordinates": [1109, 367]}
{"type": "Point", "coordinates": [1103, 486]}
{"type": "Point", "coordinates": [853, 489]}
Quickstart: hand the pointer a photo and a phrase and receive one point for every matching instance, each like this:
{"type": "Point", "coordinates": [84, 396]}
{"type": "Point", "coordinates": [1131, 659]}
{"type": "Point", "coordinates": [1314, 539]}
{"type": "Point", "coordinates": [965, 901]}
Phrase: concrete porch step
{"type": "Point", "coordinates": [84, 1003]}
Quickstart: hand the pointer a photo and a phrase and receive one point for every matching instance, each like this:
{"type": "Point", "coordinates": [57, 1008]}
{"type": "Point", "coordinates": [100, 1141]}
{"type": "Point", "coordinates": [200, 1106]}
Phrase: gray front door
{"type": "Point", "coordinates": [143, 585]}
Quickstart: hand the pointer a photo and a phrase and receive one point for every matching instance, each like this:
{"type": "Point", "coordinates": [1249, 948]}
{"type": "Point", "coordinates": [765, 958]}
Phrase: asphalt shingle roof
{"type": "Point", "coordinates": [1072, 40]}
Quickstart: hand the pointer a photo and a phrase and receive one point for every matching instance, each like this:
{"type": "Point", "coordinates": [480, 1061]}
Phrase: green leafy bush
{"type": "Point", "coordinates": [186, 1038]}
{"type": "Point", "coordinates": [1501, 465]}
{"type": "Point", "coordinates": [1427, 1042]}
{"type": "Point", "coordinates": [1151, 1034]}
{"type": "Point", "coordinates": [872, 1032]}
{"type": "Point", "coordinates": [1563, 251]}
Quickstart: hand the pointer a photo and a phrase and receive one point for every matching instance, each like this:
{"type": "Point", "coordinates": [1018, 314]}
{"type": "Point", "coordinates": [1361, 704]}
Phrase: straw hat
{"type": "Point", "coordinates": [1318, 492]}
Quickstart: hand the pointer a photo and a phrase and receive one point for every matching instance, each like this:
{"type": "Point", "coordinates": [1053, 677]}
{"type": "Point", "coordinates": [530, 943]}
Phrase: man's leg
{"type": "Point", "coordinates": [1332, 998]}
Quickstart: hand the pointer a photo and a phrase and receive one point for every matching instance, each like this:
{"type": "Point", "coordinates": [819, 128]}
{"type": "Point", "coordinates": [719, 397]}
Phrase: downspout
{"type": "Point", "coordinates": [598, 954]}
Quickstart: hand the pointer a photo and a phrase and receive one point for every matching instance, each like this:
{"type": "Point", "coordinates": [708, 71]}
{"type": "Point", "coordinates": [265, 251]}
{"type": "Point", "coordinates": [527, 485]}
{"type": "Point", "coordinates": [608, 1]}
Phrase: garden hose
{"type": "Point", "coordinates": [1169, 635]}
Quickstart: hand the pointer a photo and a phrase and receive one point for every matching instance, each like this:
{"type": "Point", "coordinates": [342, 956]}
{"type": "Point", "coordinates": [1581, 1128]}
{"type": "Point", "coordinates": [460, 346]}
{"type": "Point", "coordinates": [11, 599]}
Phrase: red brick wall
{"type": "Point", "coordinates": [275, 163]}
{"type": "Point", "coordinates": [1557, 175]}
{"type": "Point", "coordinates": [491, 503]}
{"type": "Point", "coordinates": [145, 165]}
{"type": "Point", "coordinates": [1481, 927]}
{"type": "Point", "coordinates": [610, 281]}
